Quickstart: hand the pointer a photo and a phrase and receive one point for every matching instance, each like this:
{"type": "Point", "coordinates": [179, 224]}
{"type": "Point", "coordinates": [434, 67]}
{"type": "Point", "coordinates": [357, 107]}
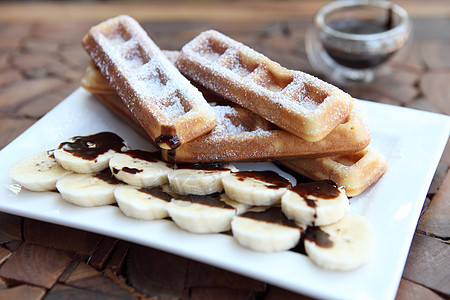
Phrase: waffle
{"type": "Point", "coordinates": [169, 108]}
{"type": "Point", "coordinates": [93, 81]}
{"type": "Point", "coordinates": [241, 135]}
{"type": "Point", "coordinates": [295, 101]}
{"type": "Point", "coordinates": [355, 172]}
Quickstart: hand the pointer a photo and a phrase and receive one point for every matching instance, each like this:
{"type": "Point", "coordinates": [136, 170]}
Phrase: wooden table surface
{"type": "Point", "coordinates": [41, 62]}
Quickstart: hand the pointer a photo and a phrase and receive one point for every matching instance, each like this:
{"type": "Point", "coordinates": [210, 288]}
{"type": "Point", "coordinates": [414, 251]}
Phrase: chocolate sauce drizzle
{"type": "Point", "coordinates": [156, 192]}
{"type": "Point", "coordinates": [91, 146]}
{"type": "Point", "coordinates": [315, 235]}
{"type": "Point", "coordinates": [270, 215]}
{"type": "Point", "coordinates": [170, 140]}
{"type": "Point", "coordinates": [128, 170]}
{"type": "Point", "coordinates": [210, 200]}
{"type": "Point", "coordinates": [325, 189]}
{"type": "Point", "coordinates": [144, 155]}
{"type": "Point", "coordinates": [272, 178]}
{"type": "Point", "coordinates": [107, 176]}
{"type": "Point", "coordinates": [204, 166]}
{"type": "Point", "coordinates": [319, 237]}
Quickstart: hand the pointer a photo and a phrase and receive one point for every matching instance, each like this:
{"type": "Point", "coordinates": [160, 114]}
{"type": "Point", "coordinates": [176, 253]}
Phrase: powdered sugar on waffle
{"type": "Point", "coordinates": [155, 78]}
{"type": "Point", "coordinates": [293, 100]}
{"type": "Point", "coordinates": [226, 126]}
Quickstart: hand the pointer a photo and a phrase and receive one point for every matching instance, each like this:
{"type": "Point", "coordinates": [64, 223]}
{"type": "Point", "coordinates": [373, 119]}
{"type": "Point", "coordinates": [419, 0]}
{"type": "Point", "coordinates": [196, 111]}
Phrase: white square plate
{"type": "Point", "coordinates": [412, 141]}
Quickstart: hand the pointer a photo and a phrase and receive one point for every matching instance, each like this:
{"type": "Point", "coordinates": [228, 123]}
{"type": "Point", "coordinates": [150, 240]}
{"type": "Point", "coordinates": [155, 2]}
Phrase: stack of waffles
{"type": "Point", "coordinates": [218, 100]}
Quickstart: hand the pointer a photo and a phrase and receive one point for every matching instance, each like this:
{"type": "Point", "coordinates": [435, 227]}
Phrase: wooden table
{"type": "Point", "coordinates": [41, 62]}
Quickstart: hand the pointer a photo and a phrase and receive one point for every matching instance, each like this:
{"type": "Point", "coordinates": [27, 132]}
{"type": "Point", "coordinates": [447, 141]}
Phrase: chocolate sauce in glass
{"type": "Point", "coordinates": [272, 178]}
{"type": "Point", "coordinates": [270, 215]}
{"type": "Point", "coordinates": [351, 58]}
{"type": "Point", "coordinates": [91, 146]}
{"type": "Point", "coordinates": [156, 192]}
{"type": "Point", "coordinates": [210, 200]}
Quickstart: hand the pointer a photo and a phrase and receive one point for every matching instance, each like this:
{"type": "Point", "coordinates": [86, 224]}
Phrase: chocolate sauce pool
{"type": "Point", "coordinates": [270, 215]}
{"type": "Point", "coordinates": [91, 146]}
{"type": "Point", "coordinates": [210, 200]}
{"type": "Point", "coordinates": [107, 176]}
{"type": "Point", "coordinates": [142, 155]}
{"type": "Point", "coordinates": [156, 192]}
{"type": "Point", "coordinates": [360, 27]}
{"type": "Point", "coordinates": [325, 189]}
{"type": "Point", "coordinates": [273, 179]}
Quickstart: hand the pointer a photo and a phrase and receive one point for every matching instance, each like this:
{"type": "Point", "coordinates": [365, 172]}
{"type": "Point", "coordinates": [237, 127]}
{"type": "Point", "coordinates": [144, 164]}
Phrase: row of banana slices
{"type": "Point", "coordinates": [261, 208]}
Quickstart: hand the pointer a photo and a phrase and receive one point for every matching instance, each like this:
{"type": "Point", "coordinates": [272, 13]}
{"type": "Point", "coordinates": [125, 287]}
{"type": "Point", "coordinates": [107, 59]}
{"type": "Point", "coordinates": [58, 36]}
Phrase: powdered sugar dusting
{"type": "Point", "coordinates": [299, 102]}
{"type": "Point", "coordinates": [224, 122]}
{"type": "Point", "coordinates": [230, 123]}
{"type": "Point", "coordinates": [152, 79]}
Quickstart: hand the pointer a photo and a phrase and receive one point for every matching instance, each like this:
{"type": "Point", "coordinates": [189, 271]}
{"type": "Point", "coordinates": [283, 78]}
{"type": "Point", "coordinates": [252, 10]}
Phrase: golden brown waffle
{"type": "Point", "coordinates": [169, 108]}
{"type": "Point", "coordinates": [355, 172]}
{"type": "Point", "coordinates": [293, 100]}
{"type": "Point", "coordinates": [94, 82]}
{"type": "Point", "coordinates": [241, 135]}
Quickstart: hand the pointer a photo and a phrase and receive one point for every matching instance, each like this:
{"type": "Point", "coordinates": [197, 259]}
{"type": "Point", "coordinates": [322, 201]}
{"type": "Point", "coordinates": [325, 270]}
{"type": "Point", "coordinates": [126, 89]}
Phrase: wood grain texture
{"type": "Point", "coordinates": [23, 292]}
{"type": "Point", "coordinates": [409, 290]}
{"type": "Point", "coordinates": [426, 257]}
{"type": "Point", "coordinates": [435, 220]}
{"type": "Point", "coordinates": [36, 264]}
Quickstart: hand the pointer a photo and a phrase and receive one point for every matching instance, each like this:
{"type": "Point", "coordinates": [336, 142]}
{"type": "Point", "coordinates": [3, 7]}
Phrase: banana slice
{"type": "Point", "coordinates": [259, 188]}
{"type": "Point", "coordinates": [202, 214]}
{"type": "Point", "coordinates": [342, 246]}
{"type": "Point", "coordinates": [140, 168]}
{"type": "Point", "coordinates": [265, 231]}
{"type": "Point", "coordinates": [315, 203]}
{"type": "Point", "coordinates": [199, 179]}
{"type": "Point", "coordinates": [37, 173]}
{"type": "Point", "coordinates": [95, 189]}
{"type": "Point", "coordinates": [142, 203]}
{"type": "Point", "coordinates": [89, 153]}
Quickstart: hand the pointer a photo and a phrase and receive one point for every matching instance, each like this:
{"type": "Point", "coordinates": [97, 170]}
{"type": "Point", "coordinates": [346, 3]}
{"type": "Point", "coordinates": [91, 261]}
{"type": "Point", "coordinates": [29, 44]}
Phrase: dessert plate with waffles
{"type": "Point", "coordinates": [219, 154]}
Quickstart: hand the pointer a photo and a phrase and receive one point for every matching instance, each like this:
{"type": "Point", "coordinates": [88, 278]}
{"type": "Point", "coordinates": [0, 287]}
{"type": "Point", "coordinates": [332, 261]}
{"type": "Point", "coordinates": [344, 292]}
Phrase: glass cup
{"type": "Point", "coordinates": [351, 42]}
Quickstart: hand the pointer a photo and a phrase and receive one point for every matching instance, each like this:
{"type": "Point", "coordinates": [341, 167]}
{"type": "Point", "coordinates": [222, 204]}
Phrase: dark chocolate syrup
{"type": "Point", "coordinates": [205, 166]}
{"type": "Point", "coordinates": [319, 237]}
{"type": "Point", "coordinates": [270, 215]}
{"type": "Point", "coordinates": [107, 176]}
{"type": "Point", "coordinates": [361, 26]}
{"type": "Point", "coordinates": [156, 192]}
{"type": "Point", "coordinates": [325, 189]}
{"type": "Point", "coordinates": [210, 200]}
{"type": "Point", "coordinates": [170, 140]}
{"type": "Point", "coordinates": [298, 177]}
{"type": "Point", "coordinates": [144, 155]}
{"type": "Point", "coordinates": [315, 235]}
{"type": "Point", "coordinates": [272, 178]}
{"type": "Point", "coordinates": [130, 170]}
{"type": "Point", "coordinates": [91, 146]}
